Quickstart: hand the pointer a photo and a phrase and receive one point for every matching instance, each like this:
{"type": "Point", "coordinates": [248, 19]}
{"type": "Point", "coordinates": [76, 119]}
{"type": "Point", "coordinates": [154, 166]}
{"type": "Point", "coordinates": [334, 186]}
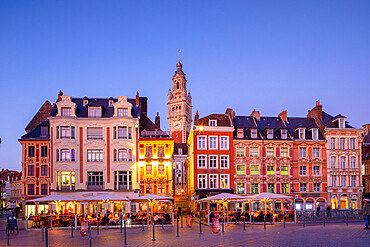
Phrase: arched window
{"type": "Point", "coordinates": [177, 85]}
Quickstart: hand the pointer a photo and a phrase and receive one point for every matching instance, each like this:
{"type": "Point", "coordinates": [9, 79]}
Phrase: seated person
{"type": "Point", "coordinates": [157, 219]}
{"type": "Point", "coordinates": [105, 220]}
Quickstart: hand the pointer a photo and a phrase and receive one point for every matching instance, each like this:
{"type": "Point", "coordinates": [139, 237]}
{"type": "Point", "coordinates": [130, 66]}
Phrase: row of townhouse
{"type": "Point", "coordinates": [316, 159]}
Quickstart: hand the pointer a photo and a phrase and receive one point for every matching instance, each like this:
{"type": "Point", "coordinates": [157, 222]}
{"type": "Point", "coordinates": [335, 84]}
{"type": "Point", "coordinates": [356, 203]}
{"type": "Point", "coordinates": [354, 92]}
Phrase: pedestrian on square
{"type": "Point", "coordinates": [318, 211]}
{"type": "Point", "coordinates": [366, 213]}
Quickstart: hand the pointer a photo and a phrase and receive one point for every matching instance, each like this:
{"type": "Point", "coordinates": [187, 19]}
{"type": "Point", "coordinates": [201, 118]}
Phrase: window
{"type": "Point", "coordinates": [66, 111]}
{"type": "Point", "coordinates": [129, 155]}
{"type": "Point", "coordinates": [65, 132]}
{"type": "Point", "coordinates": [303, 187]}
{"type": "Point", "coordinates": [316, 152]}
{"type": "Point", "coordinates": [270, 133]}
{"type": "Point", "coordinates": [240, 170]}
{"type": "Point", "coordinates": [202, 142]}
{"type": "Point", "coordinates": [202, 161]}
{"type": "Point", "coordinates": [302, 170]}
{"type": "Point", "coordinates": [213, 142]}
{"type": "Point", "coordinates": [123, 180]}
{"type": "Point", "coordinates": [65, 155]}
{"type": "Point", "coordinates": [202, 183]}
{"type": "Point", "coordinates": [239, 151]}
{"type": "Point", "coordinates": [342, 162]}
{"type": "Point", "coordinates": [332, 161]}
{"type": "Point", "coordinates": [213, 161]}
{"type": "Point", "coordinates": [352, 143]}
{"type": "Point", "coordinates": [178, 178]}
{"type": "Point", "coordinates": [213, 181]}
{"type": "Point", "coordinates": [240, 133]}
{"type": "Point", "coordinates": [31, 189]}
{"type": "Point", "coordinates": [284, 188]}
{"type": "Point", "coordinates": [73, 132]}
{"type": "Point", "coordinates": [57, 156]}
{"type": "Point", "coordinates": [316, 170]}
{"type": "Point", "coordinates": [160, 151]}
{"type": "Point", "coordinates": [122, 112]}
{"type": "Point", "coordinates": [94, 155]}
{"type": "Point", "coordinates": [161, 188]}
{"type": "Point", "coordinates": [224, 162]}
{"type": "Point", "coordinates": [332, 143]}
{"type": "Point", "coordinates": [284, 152]}
{"type": "Point", "coordinates": [180, 151]}
{"type": "Point", "coordinates": [44, 170]}
{"type": "Point", "coordinates": [148, 189]}
{"type": "Point", "coordinates": [94, 133]}
{"type": "Point", "coordinates": [122, 154]}
{"type": "Point", "coordinates": [253, 152]}
{"type": "Point", "coordinates": [44, 151]}
{"type": "Point", "coordinates": [31, 170]}
{"type": "Point", "coordinates": [316, 187]}
{"type": "Point", "coordinates": [224, 181]}
{"type": "Point", "coordinates": [301, 134]}
{"type": "Point", "coordinates": [270, 188]}
{"type": "Point", "coordinates": [341, 143]}
{"type": "Point", "coordinates": [65, 180]}
{"type": "Point", "coordinates": [353, 180]}
{"type": "Point", "coordinates": [334, 181]}
{"type": "Point", "coordinates": [122, 132]}
{"type": "Point", "coordinates": [284, 134]}
{"type": "Point", "coordinates": [254, 133]}
{"type": "Point", "coordinates": [44, 189]}
{"type": "Point", "coordinates": [254, 170]}
{"type": "Point", "coordinates": [57, 130]}
{"type": "Point", "coordinates": [212, 122]}
{"type": "Point", "coordinates": [270, 170]}
{"type": "Point", "coordinates": [270, 152]}
{"type": "Point", "coordinates": [224, 142]}
{"type": "Point", "coordinates": [73, 155]}
{"type": "Point", "coordinates": [343, 181]}
{"type": "Point", "coordinates": [254, 188]}
{"type": "Point", "coordinates": [353, 162]}
{"type": "Point", "coordinates": [302, 152]}
{"type": "Point", "coordinates": [31, 151]}
{"type": "Point", "coordinates": [341, 123]}
{"type": "Point", "coordinates": [148, 152]}
{"type": "Point", "coordinates": [148, 169]}
{"type": "Point", "coordinates": [240, 189]}
{"type": "Point", "coordinates": [315, 134]}
{"type": "Point", "coordinates": [160, 169]}
{"type": "Point", "coordinates": [94, 112]}
{"type": "Point", "coordinates": [284, 170]}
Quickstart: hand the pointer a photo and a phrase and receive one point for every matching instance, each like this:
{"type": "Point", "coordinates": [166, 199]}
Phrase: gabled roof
{"type": "Point", "coordinates": [222, 120]}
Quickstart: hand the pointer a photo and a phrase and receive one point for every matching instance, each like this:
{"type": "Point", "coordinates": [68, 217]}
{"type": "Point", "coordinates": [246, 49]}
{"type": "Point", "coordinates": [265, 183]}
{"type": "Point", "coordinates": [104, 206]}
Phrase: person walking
{"type": "Point", "coordinates": [366, 213]}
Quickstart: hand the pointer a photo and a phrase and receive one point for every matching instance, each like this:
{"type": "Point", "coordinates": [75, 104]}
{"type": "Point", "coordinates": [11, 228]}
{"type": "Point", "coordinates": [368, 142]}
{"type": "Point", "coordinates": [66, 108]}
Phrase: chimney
{"type": "Point", "coordinates": [158, 121]}
{"type": "Point", "coordinates": [366, 129]}
{"type": "Point", "coordinates": [256, 114]}
{"type": "Point", "coordinates": [137, 98]}
{"type": "Point", "coordinates": [60, 95]}
{"type": "Point", "coordinates": [196, 118]}
{"type": "Point", "coordinates": [230, 113]}
{"type": "Point", "coordinates": [284, 116]}
{"type": "Point", "coordinates": [316, 112]}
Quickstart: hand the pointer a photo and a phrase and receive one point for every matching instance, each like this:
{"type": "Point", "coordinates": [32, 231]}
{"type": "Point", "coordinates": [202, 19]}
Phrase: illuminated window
{"type": "Point", "coordinates": [239, 151]}
{"type": "Point", "coordinates": [240, 188]}
{"type": "Point", "coordinates": [160, 169]}
{"type": "Point", "coordinates": [270, 152]}
{"type": "Point", "coordinates": [284, 188]}
{"type": "Point", "coordinates": [161, 188]}
{"type": "Point", "coordinates": [284, 170]}
{"type": "Point", "coordinates": [270, 170]}
{"type": "Point", "coordinates": [270, 188]}
{"type": "Point", "coordinates": [254, 188]}
{"type": "Point", "coordinates": [224, 181]}
{"type": "Point", "coordinates": [254, 170]}
{"type": "Point", "coordinates": [240, 170]}
{"type": "Point", "coordinates": [148, 152]}
{"type": "Point", "coordinates": [148, 169]}
{"type": "Point", "coordinates": [213, 181]}
{"type": "Point", "coordinates": [148, 189]}
{"type": "Point", "coordinates": [253, 152]}
{"type": "Point", "coordinates": [160, 151]}
{"type": "Point", "coordinates": [240, 133]}
{"type": "Point", "coordinates": [202, 181]}
{"type": "Point", "coordinates": [284, 152]}
{"type": "Point", "coordinates": [65, 155]}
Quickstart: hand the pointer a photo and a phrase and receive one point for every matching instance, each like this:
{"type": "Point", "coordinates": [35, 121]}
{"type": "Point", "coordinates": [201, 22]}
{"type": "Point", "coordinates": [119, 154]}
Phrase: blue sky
{"type": "Point", "coordinates": [264, 55]}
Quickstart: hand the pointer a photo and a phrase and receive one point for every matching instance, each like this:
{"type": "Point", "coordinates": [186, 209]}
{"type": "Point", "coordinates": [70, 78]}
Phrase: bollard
{"type": "Point", "coordinates": [304, 221]}
{"type": "Point", "coordinates": [121, 221]}
{"type": "Point", "coordinates": [200, 224]}
{"type": "Point", "coordinates": [97, 223]}
{"type": "Point", "coordinates": [153, 231]}
{"type": "Point", "coordinates": [177, 223]}
{"type": "Point", "coordinates": [181, 221]}
{"type": "Point", "coordinates": [244, 222]}
{"type": "Point", "coordinates": [264, 221]}
{"type": "Point", "coordinates": [284, 219]}
{"type": "Point", "coordinates": [43, 231]}
{"type": "Point", "coordinates": [90, 234]}
{"type": "Point", "coordinates": [124, 227]}
{"type": "Point", "coordinates": [46, 237]}
{"type": "Point", "coordinates": [7, 233]}
{"type": "Point", "coordinates": [72, 227]}
{"type": "Point", "coordinates": [223, 221]}
{"type": "Point", "coordinates": [142, 223]}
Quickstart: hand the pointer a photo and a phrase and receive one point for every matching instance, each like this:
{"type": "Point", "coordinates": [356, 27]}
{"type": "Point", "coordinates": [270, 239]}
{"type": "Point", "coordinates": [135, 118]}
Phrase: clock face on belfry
{"type": "Point", "coordinates": [177, 125]}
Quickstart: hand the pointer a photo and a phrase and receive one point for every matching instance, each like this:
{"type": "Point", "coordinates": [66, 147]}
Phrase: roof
{"type": "Point", "coordinates": [41, 115]}
{"type": "Point", "coordinates": [222, 120]}
{"type": "Point", "coordinates": [107, 110]}
{"type": "Point", "coordinates": [327, 120]}
{"type": "Point", "coordinates": [307, 123]}
{"type": "Point", "coordinates": [182, 146]}
{"type": "Point", "coordinates": [41, 132]}
{"type": "Point", "coordinates": [6, 173]}
{"type": "Point", "coordinates": [148, 129]}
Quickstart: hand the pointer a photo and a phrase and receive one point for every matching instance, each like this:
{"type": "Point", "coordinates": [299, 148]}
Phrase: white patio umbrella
{"type": "Point", "coordinates": [150, 197]}
{"type": "Point", "coordinates": [104, 197]}
{"type": "Point", "coordinates": [268, 196]}
{"type": "Point", "coordinates": [223, 197]}
{"type": "Point", "coordinates": [53, 198]}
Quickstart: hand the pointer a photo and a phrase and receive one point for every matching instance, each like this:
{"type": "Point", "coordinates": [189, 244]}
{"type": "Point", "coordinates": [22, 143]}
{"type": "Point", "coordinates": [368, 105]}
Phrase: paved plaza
{"type": "Point", "coordinates": [334, 234]}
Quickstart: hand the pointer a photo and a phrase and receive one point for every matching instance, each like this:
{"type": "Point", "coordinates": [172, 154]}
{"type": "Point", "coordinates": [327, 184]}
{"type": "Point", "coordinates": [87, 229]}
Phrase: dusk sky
{"type": "Point", "coordinates": [265, 55]}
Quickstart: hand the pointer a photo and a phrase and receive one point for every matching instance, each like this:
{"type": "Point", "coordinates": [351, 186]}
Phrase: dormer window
{"type": "Point", "coordinates": [301, 134]}
{"type": "Point", "coordinates": [94, 112]}
{"type": "Point", "coordinates": [341, 123]}
{"type": "Point", "coordinates": [240, 133]}
{"type": "Point", "coordinates": [270, 133]}
{"type": "Point", "coordinates": [315, 134]}
{"type": "Point", "coordinates": [122, 112]}
{"type": "Point", "coordinates": [85, 102]}
{"type": "Point", "coordinates": [284, 134]}
{"type": "Point", "coordinates": [180, 151]}
{"type": "Point", "coordinates": [212, 122]}
{"type": "Point", "coordinates": [110, 102]}
{"type": "Point", "coordinates": [254, 133]}
{"type": "Point", "coordinates": [66, 111]}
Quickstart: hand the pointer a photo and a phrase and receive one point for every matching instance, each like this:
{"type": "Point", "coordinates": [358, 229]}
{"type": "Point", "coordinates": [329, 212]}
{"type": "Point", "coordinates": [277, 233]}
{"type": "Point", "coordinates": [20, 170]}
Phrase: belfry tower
{"type": "Point", "coordinates": [179, 107]}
